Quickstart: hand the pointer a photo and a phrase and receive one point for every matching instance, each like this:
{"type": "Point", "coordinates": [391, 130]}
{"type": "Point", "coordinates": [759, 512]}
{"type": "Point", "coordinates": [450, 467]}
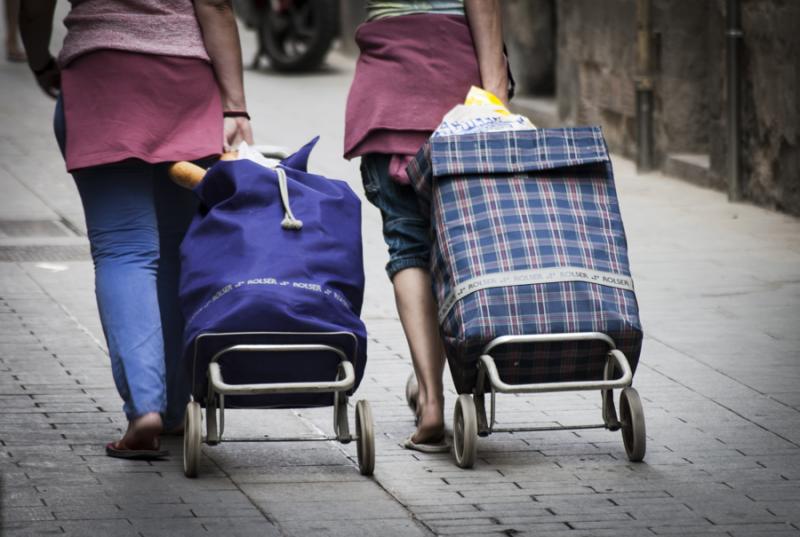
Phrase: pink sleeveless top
{"type": "Point", "coordinates": [167, 27]}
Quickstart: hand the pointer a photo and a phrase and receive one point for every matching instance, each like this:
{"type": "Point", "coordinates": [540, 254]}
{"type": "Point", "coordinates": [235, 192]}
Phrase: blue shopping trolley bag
{"type": "Point", "coordinates": [273, 256]}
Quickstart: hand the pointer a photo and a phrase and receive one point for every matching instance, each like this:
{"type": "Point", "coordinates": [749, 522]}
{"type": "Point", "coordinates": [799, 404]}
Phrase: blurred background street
{"type": "Point", "coordinates": [718, 285]}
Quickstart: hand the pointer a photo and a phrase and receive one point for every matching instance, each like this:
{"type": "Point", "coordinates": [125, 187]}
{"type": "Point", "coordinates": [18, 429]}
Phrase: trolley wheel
{"type": "Point", "coordinates": [366, 438]}
{"type": "Point", "coordinates": [340, 426]}
{"type": "Point", "coordinates": [632, 422]}
{"type": "Point", "coordinates": [412, 392]}
{"type": "Point", "coordinates": [465, 431]}
{"type": "Point", "coordinates": [191, 439]}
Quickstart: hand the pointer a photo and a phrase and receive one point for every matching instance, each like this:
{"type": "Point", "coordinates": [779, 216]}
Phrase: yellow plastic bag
{"type": "Point", "coordinates": [480, 97]}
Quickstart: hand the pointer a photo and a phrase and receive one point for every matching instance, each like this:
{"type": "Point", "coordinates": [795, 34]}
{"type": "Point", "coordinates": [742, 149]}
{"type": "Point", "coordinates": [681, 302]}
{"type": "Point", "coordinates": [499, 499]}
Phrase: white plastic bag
{"type": "Point", "coordinates": [481, 112]}
{"type": "Point", "coordinates": [256, 154]}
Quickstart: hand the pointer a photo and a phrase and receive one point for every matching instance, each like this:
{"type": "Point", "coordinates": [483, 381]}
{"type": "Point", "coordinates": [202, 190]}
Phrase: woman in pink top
{"type": "Point", "coordinates": [140, 83]}
{"type": "Point", "coordinates": [418, 60]}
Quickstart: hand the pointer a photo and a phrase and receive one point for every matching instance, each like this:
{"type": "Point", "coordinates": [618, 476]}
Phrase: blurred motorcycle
{"type": "Point", "coordinates": [294, 35]}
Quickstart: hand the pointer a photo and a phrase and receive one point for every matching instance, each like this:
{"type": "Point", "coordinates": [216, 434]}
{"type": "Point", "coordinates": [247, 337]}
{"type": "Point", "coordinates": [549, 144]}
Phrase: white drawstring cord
{"type": "Point", "coordinates": [289, 221]}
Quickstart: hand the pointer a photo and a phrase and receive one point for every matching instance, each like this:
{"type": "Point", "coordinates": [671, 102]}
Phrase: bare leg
{"type": "Point", "coordinates": [13, 51]}
{"type": "Point", "coordinates": [417, 309]}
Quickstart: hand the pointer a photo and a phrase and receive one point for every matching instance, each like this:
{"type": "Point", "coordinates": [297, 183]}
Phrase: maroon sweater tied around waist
{"type": "Point", "coordinates": [412, 70]}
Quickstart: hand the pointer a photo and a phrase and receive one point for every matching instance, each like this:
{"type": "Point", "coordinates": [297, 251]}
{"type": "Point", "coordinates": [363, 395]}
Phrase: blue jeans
{"type": "Point", "coordinates": [406, 231]}
{"type": "Point", "coordinates": [136, 218]}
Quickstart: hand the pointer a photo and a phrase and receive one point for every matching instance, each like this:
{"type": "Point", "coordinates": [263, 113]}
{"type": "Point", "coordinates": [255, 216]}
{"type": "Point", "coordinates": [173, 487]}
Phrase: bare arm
{"type": "Point", "coordinates": [221, 38]}
{"type": "Point", "coordinates": [35, 28]}
{"type": "Point", "coordinates": [486, 24]}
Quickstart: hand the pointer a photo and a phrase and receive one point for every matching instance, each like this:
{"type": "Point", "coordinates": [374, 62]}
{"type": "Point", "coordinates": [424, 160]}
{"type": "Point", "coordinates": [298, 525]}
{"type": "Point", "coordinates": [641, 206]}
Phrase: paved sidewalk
{"type": "Point", "coordinates": [719, 290]}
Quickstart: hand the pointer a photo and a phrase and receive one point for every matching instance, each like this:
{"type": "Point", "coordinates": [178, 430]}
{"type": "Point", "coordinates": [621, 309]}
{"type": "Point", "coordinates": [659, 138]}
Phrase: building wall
{"type": "Point", "coordinates": [595, 83]}
{"type": "Point", "coordinates": [771, 108]}
{"type": "Point", "coordinates": [687, 66]}
{"type": "Point", "coordinates": [595, 67]}
{"type": "Point", "coordinates": [530, 33]}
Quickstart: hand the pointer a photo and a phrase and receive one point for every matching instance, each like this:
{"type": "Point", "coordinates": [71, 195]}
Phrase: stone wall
{"type": "Point", "coordinates": [686, 96]}
{"type": "Point", "coordinates": [595, 72]}
{"type": "Point", "coordinates": [771, 103]}
{"type": "Point", "coordinates": [530, 33]}
{"type": "Point", "coordinates": [595, 67]}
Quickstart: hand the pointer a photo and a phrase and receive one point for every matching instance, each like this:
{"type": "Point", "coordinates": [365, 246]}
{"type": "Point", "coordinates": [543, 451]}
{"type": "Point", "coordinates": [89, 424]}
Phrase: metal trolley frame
{"type": "Point", "coordinates": [217, 390]}
{"type": "Point", "coordinates": [470, 419]}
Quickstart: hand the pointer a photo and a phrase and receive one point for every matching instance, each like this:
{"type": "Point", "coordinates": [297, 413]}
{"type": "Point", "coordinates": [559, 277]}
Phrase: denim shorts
{"type": "Point", "coordinates": [405, 229]}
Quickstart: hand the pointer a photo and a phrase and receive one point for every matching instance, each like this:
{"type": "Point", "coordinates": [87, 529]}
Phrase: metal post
{"type": "Point", "coordinates": [734, 39]}
{"type": "Point", "coordinates": [644, 86]}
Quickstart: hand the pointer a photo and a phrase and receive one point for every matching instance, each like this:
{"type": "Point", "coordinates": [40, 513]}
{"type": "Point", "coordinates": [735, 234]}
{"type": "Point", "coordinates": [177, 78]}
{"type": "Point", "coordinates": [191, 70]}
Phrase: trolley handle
{"type": "Point", "coordinates": [344, 383]}
{"type": "Point", "coordinates": [550, 338]}
{"type": "Point", "coordinates": [542, 387]}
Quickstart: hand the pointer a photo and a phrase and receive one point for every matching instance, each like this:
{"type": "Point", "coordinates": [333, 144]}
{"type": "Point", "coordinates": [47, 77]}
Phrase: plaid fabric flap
{"type": "Point", "coordinates": [513, 152]}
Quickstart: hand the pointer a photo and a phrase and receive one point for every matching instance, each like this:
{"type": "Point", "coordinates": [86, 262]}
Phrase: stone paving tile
{"type": "Point", "coordinates": [738, 530]}
{"type": "Point", "coordinates": [87, 512]}
{"type": "Point", "coordinates": [566, 531]}
{"type": "Point", "coordinates": [333, 492]}
{"type": "Point", "coordinates": [20, 514]}
{"type": "Point", "coordinates": [88, 497]}
{"type": "Point", "coordinates": [545, 528]}
{"type": "Point", "coordinates": [24, 496]}
{"type": "Point", "coordinates": [775, 491]}
{"type": "Point", "coordinates": [254, 455]}
{"type": "Point", "coordinates": [348, 528]}
{"type": "Point", "coordinates": [375, 509]}
{"type": "Point", "coordinates": [747, 531]}
{"type": "Point", "coordinates": [243, 527]}
{"type": "Point", "coordinates": [215, 511]}
{"type": "Point", "coordinates": [295, 474]}
{"type": "Point", "coordinates": [36, 529]}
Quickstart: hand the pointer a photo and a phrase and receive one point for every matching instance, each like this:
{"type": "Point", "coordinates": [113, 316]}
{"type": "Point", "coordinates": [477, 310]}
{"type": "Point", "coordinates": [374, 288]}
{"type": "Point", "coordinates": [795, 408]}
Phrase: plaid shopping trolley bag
{"type": "Point", "coordinates": [527, 239]}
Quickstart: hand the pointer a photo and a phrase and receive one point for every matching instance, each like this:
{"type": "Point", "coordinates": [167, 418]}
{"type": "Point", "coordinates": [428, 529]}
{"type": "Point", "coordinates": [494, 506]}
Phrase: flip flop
{"type": "Point", "coordinates": [113, 449]}
{"type": "Point", "coordinates": [145, 436]}
{"type": "Point", "coordinates": [441, 447]}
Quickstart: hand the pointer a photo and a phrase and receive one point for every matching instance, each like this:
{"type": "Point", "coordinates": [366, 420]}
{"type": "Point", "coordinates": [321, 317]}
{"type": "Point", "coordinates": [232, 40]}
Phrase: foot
{"type": "Point", "coordinates": [430, 422]}
{"type": "Point", "coordinates": [141, 440]}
